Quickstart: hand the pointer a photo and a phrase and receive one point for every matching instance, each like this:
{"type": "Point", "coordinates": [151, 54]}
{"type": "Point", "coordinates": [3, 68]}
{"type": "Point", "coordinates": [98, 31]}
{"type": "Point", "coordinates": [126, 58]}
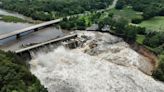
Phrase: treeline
{"type": "Point", "coordinates": [119, 26]}
{"type": "Point", "coordinates": [49, 9]}
{"type": "Point", "coordinates": [15, 76]}
{"type": "Point", "coordinates": [150, 8]}
{"type": "Point", "coordinates": [80, 22]}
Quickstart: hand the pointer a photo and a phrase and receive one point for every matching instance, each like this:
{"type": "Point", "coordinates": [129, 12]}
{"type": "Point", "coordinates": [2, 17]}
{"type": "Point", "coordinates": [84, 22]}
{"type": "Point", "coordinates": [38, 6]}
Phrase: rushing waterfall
{"type": "Point", "coordinates": [104, 63]}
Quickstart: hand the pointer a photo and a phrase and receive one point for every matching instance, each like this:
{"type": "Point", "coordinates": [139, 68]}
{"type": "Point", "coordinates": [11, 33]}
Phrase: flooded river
{"type": "Point", "coordinates": [9, 13]}
{"type": "Point", "coordinates": [104, 63]}
{"type": "Point", "coordinates": [34, 37]}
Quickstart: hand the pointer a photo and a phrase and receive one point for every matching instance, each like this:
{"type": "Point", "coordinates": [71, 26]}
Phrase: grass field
{"type": "Point", "coordinates": [127, 13]}
{"type": "Point", "coordinates": [154, 24]}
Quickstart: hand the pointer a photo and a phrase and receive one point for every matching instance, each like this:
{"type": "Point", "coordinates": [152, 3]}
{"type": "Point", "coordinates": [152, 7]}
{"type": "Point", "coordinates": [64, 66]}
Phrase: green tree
{"type": "Point", "coordinates": [120, 4]}
{"type": "Point", "coordinates": [15, 76]}
{"type": "Point", "coordinates": [130, 33]}
{"type": "Point", "coordinates": [159, 72]}
{"type": "Point", "coordinates": [120, 25]}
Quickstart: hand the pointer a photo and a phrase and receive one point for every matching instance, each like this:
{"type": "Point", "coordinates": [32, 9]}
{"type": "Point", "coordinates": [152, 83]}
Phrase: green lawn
{"type": "Point", "coordinates": [127, 13]}
{"type": "Point", "coordinates": [154, 24]}
{"type": "Point", "coordinates": [140, 39]}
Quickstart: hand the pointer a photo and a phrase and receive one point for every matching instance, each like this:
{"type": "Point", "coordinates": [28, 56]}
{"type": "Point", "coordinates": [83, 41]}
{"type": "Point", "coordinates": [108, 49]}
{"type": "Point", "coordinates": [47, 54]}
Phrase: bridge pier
{"type": "Point", "coordinates": [35, 30]}
{"type": "Point", "coordinates": [17, 36]}
{"type": "Point", "coordinates": [70, 44]}
{"type": "Point", "coordinates": [25, 55]}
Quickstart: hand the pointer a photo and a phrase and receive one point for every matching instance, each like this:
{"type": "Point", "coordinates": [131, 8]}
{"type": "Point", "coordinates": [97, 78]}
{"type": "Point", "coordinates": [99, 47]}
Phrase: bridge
{"type": "Point", "coordinates": [35, 28]}
{"type": "Point", "coordinates": [25, 52]}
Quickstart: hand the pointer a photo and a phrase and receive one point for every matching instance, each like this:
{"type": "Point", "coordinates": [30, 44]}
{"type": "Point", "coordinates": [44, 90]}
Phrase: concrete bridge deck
{"type": "Point", "coordinates": [46, 43]}
{"type": "Point", "coordinates": [17, 32]}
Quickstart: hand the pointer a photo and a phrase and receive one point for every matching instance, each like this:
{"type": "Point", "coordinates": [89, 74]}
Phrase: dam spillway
{"type": "Point", "coordinates": [48, 45]}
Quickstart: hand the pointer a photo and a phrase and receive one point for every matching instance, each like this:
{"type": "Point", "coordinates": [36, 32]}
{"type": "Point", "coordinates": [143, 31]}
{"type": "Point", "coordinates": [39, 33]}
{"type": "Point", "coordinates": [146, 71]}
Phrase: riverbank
{"type": "Point", "coordinates": [16, 17]}
{"type": "Point", "coordinates": [149, 55]}
{"type": "Point", "coordinates": [12, 19]}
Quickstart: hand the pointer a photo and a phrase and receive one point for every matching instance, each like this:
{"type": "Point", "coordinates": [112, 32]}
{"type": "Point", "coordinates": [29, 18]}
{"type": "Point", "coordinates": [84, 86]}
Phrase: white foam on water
{"type": "Point", "coordinates": [69, 71]}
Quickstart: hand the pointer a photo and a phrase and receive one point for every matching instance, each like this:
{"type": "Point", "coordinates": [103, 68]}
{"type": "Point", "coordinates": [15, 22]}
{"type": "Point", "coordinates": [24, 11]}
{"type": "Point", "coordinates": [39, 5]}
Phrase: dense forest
{"type": "Point", "coordinates": [15, 75]}
{"type": "Point", "coordinates": [49, 9]}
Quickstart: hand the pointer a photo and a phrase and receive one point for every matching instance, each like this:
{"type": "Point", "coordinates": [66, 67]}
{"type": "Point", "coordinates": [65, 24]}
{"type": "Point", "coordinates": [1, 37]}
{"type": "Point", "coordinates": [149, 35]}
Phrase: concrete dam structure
{"type": "Point", "coordinates": [68, 41]}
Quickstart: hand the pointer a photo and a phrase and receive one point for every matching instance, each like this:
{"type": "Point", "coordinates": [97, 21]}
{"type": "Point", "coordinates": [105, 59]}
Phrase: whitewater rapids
{"type": "Point", "coordinates": [115, 68]}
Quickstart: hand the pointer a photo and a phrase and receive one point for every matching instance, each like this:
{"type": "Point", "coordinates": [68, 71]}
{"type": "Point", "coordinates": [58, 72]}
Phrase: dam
{"type": "Point", "coordinates": [68, 41]}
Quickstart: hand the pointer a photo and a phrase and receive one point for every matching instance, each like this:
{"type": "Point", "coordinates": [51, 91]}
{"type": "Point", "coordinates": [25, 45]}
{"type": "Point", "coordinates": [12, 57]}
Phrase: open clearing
{"type": "Point", "coordinates": [127, 13]}
{"type": "Point", "coordinates": [154, 24]}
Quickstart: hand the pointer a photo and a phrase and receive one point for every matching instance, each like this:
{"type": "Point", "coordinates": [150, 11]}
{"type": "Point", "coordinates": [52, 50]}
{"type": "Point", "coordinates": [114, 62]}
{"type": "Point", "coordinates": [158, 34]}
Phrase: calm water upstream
{"type": "Point", "coordinates": [6, 27]}
{"type": "Point", "coordinates": [9, 13]}
{"type": "Point", "coordinates": [35, 37]}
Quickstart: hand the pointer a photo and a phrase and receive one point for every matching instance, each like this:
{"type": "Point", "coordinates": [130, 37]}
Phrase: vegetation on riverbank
{"type": "Point", "coordinates": [79, 22]}
{"type": "Point", "coordinates": [118, 25]}
{"type": "Point", "coordinates": [140, 39]}
{"type": "Point", "coordinates": [50, 9]}
{"type": "Point", "coordinates": [155, 42]}
{"type": "Point", "coordinates": [159, 72]}
{"type": "Point", "coordinates": [11, 19]}
{"type": "Point", "coordinates": [15, 75]}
